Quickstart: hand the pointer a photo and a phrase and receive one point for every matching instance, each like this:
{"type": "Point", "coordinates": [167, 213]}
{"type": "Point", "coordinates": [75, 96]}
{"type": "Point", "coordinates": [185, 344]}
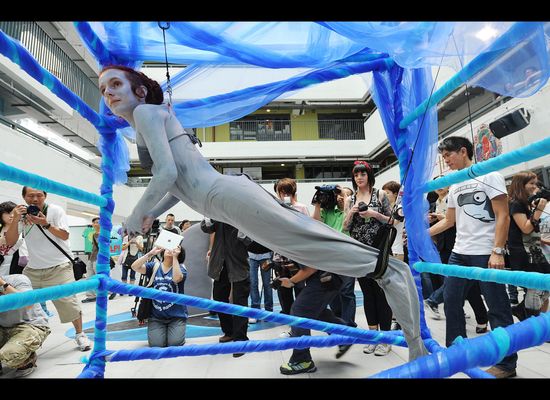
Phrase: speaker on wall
{"type": "Point", "coordinates": [510, 123]}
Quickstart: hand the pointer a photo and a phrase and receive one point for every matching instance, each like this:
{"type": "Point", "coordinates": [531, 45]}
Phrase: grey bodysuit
{"type": "Point", "coordinates": [244, 204]}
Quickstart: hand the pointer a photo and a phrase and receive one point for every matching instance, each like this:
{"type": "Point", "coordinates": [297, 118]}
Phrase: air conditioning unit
{"type": "Point", "coordinates": [510, 123]}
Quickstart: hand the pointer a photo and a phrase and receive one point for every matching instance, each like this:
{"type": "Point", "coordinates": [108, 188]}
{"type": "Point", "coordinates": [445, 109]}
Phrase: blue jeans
{"type": "Point", "coordinates": [500, 312]}
{"type": "Point", "coordinates": [255, 298]}
{"type": "Point", "coordinates": [166, 332]}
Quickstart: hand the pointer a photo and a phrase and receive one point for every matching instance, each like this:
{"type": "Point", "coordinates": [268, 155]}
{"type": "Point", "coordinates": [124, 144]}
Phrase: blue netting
{"type": "Point", "coordinates": [509, 58]}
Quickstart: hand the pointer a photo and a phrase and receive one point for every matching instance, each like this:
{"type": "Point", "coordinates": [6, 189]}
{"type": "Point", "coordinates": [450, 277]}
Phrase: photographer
{"type": "Point", "coordinates": [48, 266]}
{"type": "Point", "coordinates": [320, 289]}
{"type": "Point", "coordinates": [329, 202]}
{"type": "Point", "coordinates": [168, 321]}
{"type": "Point", "coordinates": [22, 331]}
{"type": "Point", "coordinates": [283, 267]}
{"type": "Point", "coordinates": [527, 204]}
{"type": "Point", "coordinates": [370, 210]}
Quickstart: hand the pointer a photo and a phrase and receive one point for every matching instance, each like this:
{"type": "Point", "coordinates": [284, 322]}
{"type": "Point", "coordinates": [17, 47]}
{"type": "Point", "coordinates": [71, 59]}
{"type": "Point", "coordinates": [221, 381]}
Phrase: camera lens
{"type": "Point", "coordinates": [33, 210]}
{"type": "Point", "coordinates": [362, 206]}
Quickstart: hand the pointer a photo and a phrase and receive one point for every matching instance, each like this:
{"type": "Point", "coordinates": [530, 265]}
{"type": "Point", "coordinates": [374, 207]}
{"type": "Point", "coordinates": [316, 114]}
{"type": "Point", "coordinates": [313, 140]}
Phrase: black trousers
{"type": "Point", "coordinates": [232, 325]}
{"type": "Point", "coordinates": [313, 303]}
{"type": "Point", "coordinates": [376, 306]}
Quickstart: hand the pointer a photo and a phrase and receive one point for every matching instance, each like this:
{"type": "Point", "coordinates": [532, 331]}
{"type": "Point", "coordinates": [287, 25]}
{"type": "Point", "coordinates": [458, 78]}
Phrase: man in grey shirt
{"type": "Point", "coordinates": [22, 331]}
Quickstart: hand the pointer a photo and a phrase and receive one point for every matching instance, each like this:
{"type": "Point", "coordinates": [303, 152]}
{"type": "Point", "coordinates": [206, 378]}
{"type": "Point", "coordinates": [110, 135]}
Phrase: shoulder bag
{"type": "Point", "coordinates": [79, 266]}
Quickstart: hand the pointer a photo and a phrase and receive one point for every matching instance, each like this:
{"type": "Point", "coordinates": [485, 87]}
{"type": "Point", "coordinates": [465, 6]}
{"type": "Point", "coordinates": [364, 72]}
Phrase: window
{"type": "Point", "coordinates": [349, 126]}
{"type": "Point", "coordinates": [258, 127]}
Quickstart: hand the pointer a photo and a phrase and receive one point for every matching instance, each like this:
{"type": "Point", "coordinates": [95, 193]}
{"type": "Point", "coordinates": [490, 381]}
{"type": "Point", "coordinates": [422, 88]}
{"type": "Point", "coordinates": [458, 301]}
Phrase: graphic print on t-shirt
{"type": "Point", "coordinates": [477, 205]}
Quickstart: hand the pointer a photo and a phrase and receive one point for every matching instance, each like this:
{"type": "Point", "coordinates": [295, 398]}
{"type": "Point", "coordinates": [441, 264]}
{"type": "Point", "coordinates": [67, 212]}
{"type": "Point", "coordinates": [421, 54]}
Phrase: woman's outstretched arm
{"type": "Point", "coordinates": [150, 122]}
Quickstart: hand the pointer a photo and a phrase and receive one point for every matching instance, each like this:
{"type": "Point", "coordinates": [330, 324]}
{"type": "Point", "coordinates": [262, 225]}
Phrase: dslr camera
{"type": "Point", "coordinates": [543, 193]}
{"type": "Point", "coordinates": [33, 210]}
{"type": "Point", "coordinates": [326, 196]}
{"type": "Point", "coordinates": [362, 206]}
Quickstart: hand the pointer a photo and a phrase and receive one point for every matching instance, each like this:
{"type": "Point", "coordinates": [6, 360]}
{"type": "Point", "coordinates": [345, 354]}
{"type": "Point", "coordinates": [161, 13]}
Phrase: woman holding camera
{"type": "Point", "coordinates": [370, 209]}
{"type": "Point", "coordinates": [524, 241]}
{"type": "Point", "coordinates": [168, 321]}
{"type": "Point", "coordinates": [12, 258]}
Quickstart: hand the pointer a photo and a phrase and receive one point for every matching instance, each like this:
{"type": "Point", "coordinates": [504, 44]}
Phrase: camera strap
{"type": "Point", "coordinates": [55, 244]}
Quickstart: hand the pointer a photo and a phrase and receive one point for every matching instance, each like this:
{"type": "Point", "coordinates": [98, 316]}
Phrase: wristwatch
{"type": "Point", "coordinates": [47, 226]}
{"type": "Point", "coordinates": [499, 251]}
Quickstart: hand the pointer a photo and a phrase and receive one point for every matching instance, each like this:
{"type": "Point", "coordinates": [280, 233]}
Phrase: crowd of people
{"type": "Point", "coordinates": [478, 222]}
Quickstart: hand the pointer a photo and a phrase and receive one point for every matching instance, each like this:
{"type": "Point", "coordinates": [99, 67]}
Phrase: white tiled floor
{"type": "Point", "coordinates": [59, 357]}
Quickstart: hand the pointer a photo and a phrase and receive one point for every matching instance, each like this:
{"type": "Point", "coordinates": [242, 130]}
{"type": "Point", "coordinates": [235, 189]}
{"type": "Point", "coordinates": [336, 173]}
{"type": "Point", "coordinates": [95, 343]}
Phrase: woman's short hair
{"type": "Point", "coordinates": [137, 79]}
{"type": "Point", "coordinates": [362, 166]}
{"type": "Point", "coordinates": [517, 191]}
{"type": "Point", "coordinates": [392, 186]}
{"type": "Point", "coordinates": [286, 185]}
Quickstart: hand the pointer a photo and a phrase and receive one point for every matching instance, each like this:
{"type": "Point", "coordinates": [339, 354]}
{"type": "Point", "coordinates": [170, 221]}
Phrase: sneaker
{"type": "Point", "coordinates": [285, 334]}
{"type": "Point", "coordinates": [369, 348]}
{"type": "Point", "coordinates": [225, 339]}
{"type": "Point", "coordinates": [382, 349]}
{"type": "Point", "coordinates": [24, 371]}
{"type": "Point", "coordinates": [252, 320]}
{"type": "Point", "coordinates": [291, 368]}
{"type": "Point", "coordinates": [433, 309]}
{"type": "Point", "coordinates": [89, 300]}
{"type": "Point", "coordinates": [28, 368]}
{"type": "Point", "coordinates": [83, 341]}
{"type": "Point", "coordinates": [481, 328]}
{"type": "Point", "coordinates": [500, 373]}
{"type": "Point", "coordinates": [342, 349]}
{"type": "Point", "coordinates": [395, 325]}
{"type": "Point", "coordinates": [112, 296]}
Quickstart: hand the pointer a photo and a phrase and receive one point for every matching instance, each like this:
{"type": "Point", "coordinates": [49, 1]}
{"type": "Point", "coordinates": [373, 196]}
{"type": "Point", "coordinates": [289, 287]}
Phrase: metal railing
{"type": "Point", "coordinates": [43, 140]}
{"type": "Point", "coordinates": [285, 130]}
{"type": "Point", "coordinates": [51, 57]}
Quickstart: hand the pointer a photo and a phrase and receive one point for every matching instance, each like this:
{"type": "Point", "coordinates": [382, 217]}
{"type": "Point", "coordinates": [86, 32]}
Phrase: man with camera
{"type": "Point", "coordinates": [47, 265]}
{"type": "Point", "coordinates": [329, 202]}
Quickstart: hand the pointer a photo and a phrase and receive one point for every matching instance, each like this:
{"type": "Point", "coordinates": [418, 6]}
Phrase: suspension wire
{"type": "Point", "coordinates": [398, 198]}
{"type": "Point", "coordinates": [168, 84]}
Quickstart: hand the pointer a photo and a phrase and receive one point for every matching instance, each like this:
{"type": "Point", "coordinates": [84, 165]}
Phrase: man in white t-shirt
{"type": "Point", "coordinates": [479, 209]}
{"type": "Point", "coordinates": [47, 265]}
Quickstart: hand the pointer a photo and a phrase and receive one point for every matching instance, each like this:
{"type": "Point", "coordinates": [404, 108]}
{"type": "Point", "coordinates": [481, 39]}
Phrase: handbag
{"type": "Point", "coordinates": [79, 266]}
{"type": "Point", "coordinates": [145, 307]}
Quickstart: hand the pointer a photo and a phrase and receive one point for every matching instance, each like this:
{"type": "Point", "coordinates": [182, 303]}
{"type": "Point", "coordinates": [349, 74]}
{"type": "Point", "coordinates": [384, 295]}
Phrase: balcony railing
{"type": "Point", "coordinates": [283, 130]}
{"type": "Point", "coordinates": [54, 59]}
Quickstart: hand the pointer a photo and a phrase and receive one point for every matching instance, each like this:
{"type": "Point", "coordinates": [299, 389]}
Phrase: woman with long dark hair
{"type": "Point", "coordinates": [363, 226]}
{"type": "Point", "coordinates": [524, 241]}
{"type": "Point", "coordinates": [181, 173]}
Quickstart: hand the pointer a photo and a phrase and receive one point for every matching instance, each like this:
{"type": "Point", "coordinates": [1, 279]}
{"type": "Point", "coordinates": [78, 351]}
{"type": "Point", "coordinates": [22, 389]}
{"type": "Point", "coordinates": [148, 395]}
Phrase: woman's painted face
{"type": "Point", "coordinates": [117, 92]}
